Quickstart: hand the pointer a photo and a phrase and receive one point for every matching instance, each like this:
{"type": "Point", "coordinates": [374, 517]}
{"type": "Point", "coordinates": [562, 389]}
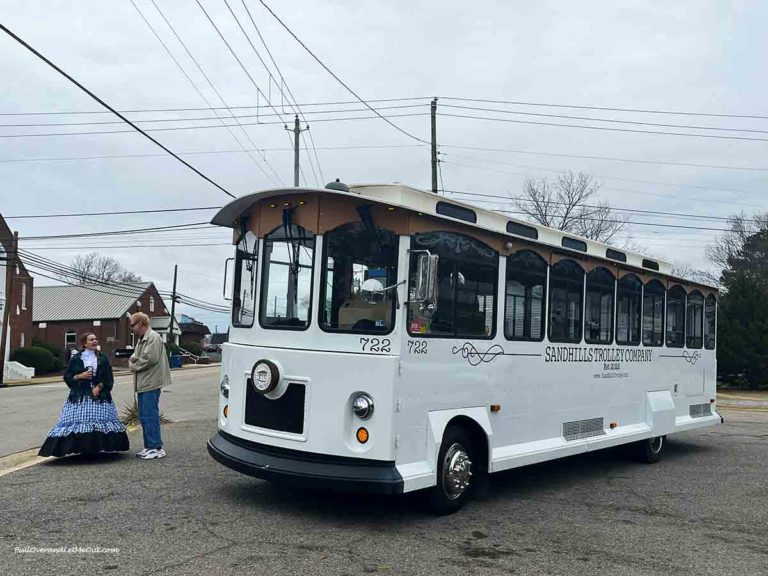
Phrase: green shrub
{"type": "Point", "coordinates": [38, 358]}
{"type": "Point", "coordinates": [193, 348]}
{"type": "Point", "coordinates": [171, 348]}
{"type": "Point", "coordinates": [36, 343]}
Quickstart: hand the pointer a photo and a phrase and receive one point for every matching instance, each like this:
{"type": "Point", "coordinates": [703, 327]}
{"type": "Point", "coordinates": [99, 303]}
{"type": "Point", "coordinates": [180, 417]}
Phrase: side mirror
{"type": "Point", "coordinates": [425, 287]}
{"type": "Point", "coordinates": [372, 291]}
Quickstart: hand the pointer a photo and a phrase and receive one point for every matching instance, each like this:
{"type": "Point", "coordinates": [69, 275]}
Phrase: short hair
{"type": "Point", "coordinates": [141, 318]}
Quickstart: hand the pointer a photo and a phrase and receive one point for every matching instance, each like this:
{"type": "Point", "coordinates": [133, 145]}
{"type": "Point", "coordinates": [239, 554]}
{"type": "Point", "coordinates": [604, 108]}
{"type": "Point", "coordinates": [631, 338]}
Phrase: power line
{"type": "Point", "coordinates": [339, 80]}
{"type": "Point", "coordinates": [606, 158]}
{"type": "Point", "coordinates": [608, 109]}
{"type": "Point", "coordinates": [612, 120]}
{"type": "Point", "coordinates": [115, 112]}
{"type": "Point", "coordinates": [111, 213]}
{"type": "Point", "coordinates": [604, 128]}
{"type": "Point", "coordinates": [174, 227]}
{"type": "Point", "coordinates": [205, 99]}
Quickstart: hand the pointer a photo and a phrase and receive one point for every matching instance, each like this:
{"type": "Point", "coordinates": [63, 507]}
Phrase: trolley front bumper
{"type": "Point", "coordinates": [305, 469]}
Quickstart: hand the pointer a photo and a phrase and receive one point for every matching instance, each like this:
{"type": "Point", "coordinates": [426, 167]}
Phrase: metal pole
{"type": "Point", "coordinates": [173, 303]}
{"type": "Point", "coordinates": [433, 114]}
{"type": "Point", "coordinates": [10, 265]}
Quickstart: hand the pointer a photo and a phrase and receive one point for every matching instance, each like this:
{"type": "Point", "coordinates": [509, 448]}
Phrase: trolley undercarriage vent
{"type": "Point", "coordinates": [700, 410]}
{"type": "Point", "coordinates": [579, 429]}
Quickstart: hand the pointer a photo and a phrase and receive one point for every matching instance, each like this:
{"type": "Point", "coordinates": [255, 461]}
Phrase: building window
{"type": "Point", "coordinates": [653, 313]}
{"type": "Point", "coordinates": [676, 317]}
{"type": "Point", "coordinates": [628, 303]}
{"type": "Point", "coordinates": [357, 260]}
{"type": "Point", "coordinates": [22, 340]}
{"type": "Point", "coordinates": [694, 322]}
{"type": "Point", "coordinates": [566, 290]}
{"type": "Point", "coordinates": [70, 339]}
{"type": "Point", "coordinates": [710, 315]}
{"type": "Point", "coordinates": [286, 287]}
{"type": "Point", "coordinates": [23, 295]}
{"type": "Point", "coordinates": [526, 293]}
{"type": "Point", "coordinates": [599, 305]}
{"type": "Point", "coordinates": [151, 304]}
{"type": "Point", "coordinates": [467, 274]}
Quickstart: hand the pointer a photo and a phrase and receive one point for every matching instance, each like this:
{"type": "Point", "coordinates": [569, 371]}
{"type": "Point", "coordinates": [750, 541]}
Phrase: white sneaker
{"type": "Point", "coordinates": [153, 454]}
{"type": "Point", "coordinates": [142, 453]}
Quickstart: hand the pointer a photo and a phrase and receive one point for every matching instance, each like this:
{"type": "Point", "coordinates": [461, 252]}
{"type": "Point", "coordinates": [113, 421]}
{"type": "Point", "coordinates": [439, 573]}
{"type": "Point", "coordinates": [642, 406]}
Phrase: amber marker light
{"type": "Point", "coordinates": [495, 407]}
{"type": "Point", "coordinates": [226, 410]}
{"type": "Point", "coordinates": [362, 435]}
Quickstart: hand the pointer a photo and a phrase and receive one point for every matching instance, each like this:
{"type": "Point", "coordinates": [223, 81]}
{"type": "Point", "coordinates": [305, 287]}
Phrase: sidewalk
{"type": "Point", "coordinates": [117, 373]}
{"type": "Point", "coordinates": [750, 400]}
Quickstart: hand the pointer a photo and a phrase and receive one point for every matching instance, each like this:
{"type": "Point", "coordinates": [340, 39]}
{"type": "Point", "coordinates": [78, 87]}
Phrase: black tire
{"type": "Point", "coordinates": [451, 493]}
{"type": "Point", "coordinates": [650, 451]}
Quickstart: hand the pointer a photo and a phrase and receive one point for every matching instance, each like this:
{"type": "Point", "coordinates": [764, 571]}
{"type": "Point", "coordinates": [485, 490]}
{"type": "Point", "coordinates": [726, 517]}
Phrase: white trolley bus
{"type": "Point", "coordinates": [386, 339]}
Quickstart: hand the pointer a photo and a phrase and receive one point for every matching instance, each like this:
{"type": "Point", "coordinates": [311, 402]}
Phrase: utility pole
{"type": "Point", "coordinates": [297, 130]}
{"type": "Point", "coordinates": [10, 266]}
{"type": "Point", "coordinates": [433, 113]}
{"type": "Point", "coordinates": [173, 303]}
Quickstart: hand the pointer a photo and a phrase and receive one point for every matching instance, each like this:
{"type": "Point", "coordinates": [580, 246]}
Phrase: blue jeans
{"type": "Point", "coordinates": [149, 415]}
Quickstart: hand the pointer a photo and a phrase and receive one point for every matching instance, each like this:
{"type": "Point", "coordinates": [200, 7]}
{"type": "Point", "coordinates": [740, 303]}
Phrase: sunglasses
{"type": "Point", "coordinates": [134, 323]}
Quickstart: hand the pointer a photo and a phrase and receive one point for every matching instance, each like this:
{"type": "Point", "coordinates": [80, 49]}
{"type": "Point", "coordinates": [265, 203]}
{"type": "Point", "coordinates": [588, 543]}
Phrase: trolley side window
{"type": "Point", "coordinates": [566, 289]}
{"type": "Point", "coordinates": [526, 294]}
{"type": "Point", "coordinates": [695, 320]}
{"type": "Point", "coordinates": [710, 314]}
{"type": "Point", "coordinates": [653, 313]}
{"type": "Point", "coordinates": [244, 292]}
{"type": "Point", "coordinates": [467, 275]}
{"type": "Point", "coordinates": [676, 317]}
{"type": "Point", "coordinates": [599, 305]}
{"type": "Point", "coordinates": [628, 305]}
{"type": "Point", "coordinates": [358, 275]}
{"type": "Point", "coordinates": [286, 284]}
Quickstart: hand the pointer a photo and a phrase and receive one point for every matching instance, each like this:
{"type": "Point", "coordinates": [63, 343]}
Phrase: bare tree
{"type": "Point", "coordinates": [93, 268]}
{"type": "Point", "coordinates": [569, 203]}
{"type": "Point", "coordinates": [731, 243]}
{"type": "Point", "coordinates": [695, 274]}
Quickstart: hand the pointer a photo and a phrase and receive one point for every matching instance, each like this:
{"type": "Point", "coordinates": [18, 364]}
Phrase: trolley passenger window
{"type": "Point", "coordinates": [566, 288]}
{"type": "Point", "coordinates": [628, 303]}
{"type": "Point", "coordinates": [526, 292]}
{"type": "Point", "coordinates": [467, 274]}
{"type": "Point", "coordinates": [694, 337]}
{"type": "Point", "coordinates": [244, 293]}
{"type": "Point", "coordinates": [710, 310]}
{"type": "Point", "coordinates": [286, 285]}
{"type": "Point", "coordinates": [599, 304]}
{"type": "Point", "coordinates": [676, 317]}
{"type": "Point", "coordinates": [653, 313]}
{"type": "Point", "coordinates": [359, 264]}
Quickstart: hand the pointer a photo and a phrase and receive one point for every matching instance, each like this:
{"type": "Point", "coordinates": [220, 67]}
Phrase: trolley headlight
{"type": "Point", "coordinates": [224, 387]}
{"type": "Point", "coordinates": [362, 406]}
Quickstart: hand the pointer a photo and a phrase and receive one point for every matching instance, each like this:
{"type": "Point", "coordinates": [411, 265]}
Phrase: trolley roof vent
{"type": "Point", "coordinates": [337, 185]}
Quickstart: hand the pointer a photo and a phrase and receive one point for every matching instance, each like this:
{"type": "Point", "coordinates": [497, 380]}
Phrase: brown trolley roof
{"type": "Point", "coordinates": [435, 210]}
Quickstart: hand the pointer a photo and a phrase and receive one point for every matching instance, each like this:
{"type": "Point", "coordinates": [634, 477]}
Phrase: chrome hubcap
{"type": "Point", "coordinates": [457, 471]}
{"type": "Point", "coordinates": [656, 444]}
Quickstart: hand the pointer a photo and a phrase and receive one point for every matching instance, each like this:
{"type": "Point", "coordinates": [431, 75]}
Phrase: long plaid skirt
{"type": "Point", "coordinates": [86, 427]}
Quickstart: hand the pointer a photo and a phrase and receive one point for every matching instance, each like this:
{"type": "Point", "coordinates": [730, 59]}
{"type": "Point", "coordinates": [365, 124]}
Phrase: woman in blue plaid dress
{"type": "Point", "coordinates": [88, 421]}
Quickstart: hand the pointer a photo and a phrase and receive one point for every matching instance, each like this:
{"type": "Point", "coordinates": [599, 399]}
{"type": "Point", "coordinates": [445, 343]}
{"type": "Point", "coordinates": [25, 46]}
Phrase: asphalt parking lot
{"type": "Point", "coordinates": [702, 510]}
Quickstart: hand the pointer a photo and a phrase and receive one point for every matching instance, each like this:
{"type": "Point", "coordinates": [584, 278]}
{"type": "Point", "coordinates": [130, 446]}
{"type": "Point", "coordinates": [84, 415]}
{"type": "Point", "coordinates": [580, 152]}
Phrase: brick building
{"type": "Point", "coordinates": [63, 313]}
{"type": "Point", "coordinates": [192, 331]}
{"type": "Point", "coordinates": [18, 332]}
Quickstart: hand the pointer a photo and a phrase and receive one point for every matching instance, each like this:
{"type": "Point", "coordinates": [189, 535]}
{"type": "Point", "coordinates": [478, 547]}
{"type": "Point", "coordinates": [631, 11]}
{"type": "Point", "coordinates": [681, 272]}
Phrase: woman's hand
{"type": "Point", "coordinates": [96, 390]}
{"type": "Point", "coordinates": [87, 375]}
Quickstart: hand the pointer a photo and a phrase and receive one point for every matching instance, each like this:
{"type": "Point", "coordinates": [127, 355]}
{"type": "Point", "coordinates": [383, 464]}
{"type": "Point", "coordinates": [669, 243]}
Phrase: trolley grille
{"type": "Point", "coordinates": [699, 410]}
{"type": "Point", "coordinates": [284, 414]}
{"type": "Point", "coordinates": [583, 428]}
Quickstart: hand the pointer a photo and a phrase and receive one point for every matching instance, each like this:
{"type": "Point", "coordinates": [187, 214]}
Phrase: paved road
{"type": "Point", "coordinates": [27, 413]}
{"type": "Point", "coordinates": [702, 510]}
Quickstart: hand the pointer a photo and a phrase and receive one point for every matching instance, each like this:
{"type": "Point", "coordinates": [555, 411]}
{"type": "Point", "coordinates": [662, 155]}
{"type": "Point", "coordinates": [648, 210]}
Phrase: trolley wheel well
{"type": "Point", "coordinates": [478, 437]}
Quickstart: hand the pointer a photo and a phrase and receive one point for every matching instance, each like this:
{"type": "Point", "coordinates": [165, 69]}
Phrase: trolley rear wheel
{"type": "Point", "coordinates": [651, 450]}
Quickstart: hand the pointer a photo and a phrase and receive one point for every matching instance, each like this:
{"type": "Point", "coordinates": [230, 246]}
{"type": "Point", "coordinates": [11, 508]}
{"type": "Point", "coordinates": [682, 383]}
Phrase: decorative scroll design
{"type": "Point", "coordinates": [690, 357]}
{"type": "Point", "coordinates": [474, 356]}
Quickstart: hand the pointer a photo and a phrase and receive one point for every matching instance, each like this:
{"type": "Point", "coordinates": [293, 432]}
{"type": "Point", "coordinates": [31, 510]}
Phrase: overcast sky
{"type": "Point", "coordinates": [689, 56]}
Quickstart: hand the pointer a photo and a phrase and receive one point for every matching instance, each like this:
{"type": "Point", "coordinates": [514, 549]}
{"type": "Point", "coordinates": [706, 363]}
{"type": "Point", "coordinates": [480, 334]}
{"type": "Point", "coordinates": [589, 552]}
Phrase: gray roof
{"type": "Point", "coordinates": [160, 324]}
{"type": "Point", "coordinates": [61, 303]}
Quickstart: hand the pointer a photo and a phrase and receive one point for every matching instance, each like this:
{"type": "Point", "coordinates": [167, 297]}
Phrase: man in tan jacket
{"type": "Point", "coordinates": [151, 372]}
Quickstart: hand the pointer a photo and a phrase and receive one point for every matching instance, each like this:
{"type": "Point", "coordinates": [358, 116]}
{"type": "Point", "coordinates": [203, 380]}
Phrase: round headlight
{"type": "Point", "coordinates": [224, 387]}
{"type": "Point", "coordinates": [362, 406]}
